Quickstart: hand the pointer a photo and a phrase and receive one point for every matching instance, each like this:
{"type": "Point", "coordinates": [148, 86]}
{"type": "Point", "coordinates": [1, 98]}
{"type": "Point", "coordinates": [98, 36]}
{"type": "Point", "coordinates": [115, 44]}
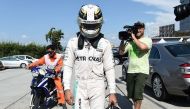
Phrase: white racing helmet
{"type": "Point", "coordinates": [90, 20]}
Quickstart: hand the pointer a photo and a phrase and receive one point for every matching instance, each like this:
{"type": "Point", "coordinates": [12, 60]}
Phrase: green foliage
{"type": "Point", "coordinates": [32, 49]}
{"type": "Point", "coordinates": [54, 36]}
{"type": "Point", "coordinates": [11, 48]}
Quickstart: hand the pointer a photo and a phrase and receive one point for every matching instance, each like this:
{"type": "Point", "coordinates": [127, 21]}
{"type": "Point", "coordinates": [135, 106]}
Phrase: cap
{"type": "Point", "coordinates": [139, 24]}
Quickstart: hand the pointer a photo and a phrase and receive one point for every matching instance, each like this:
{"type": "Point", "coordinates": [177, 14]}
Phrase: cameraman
{"type": "Point", "coordinates": [138, 69]}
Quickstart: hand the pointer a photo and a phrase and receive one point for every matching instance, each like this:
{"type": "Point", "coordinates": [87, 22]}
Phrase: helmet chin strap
{"type": "Point", "coordinates": [89, 37]}
{"type": "Point", "coordinates": [90, 33]}
{"type": "Point", "coordinates": [93, 41]}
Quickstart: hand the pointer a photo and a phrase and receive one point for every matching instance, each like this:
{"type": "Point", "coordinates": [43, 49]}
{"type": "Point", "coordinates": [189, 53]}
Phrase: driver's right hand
{"type": "Point", "coordinates": [69, 97]}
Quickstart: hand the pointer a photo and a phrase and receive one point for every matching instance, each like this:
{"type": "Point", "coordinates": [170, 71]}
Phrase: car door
{"type": "Point", "coordinates": [9, 61]}
{"type": "Point", "coordinates": [154, 58]}
{"type": "Point", "coordinates": [14, 62]}
{"type": "Point", "coordinates": [5, 61]}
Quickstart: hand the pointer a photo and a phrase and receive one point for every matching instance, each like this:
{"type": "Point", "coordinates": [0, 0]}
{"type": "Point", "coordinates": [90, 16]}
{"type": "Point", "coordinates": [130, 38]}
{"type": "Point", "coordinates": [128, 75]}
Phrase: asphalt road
{"type": "Point", "coordinates": [15, 93]}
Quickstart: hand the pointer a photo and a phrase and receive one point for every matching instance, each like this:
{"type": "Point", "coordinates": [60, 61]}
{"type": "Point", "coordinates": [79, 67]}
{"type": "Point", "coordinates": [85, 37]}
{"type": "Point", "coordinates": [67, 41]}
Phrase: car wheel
{"type": "Point", "coordinates": [124, 73]}
{"type": "Point", "coordinates": [117, 61]}
{"type": "Point", "coordinates": [23, 65]}
{"type": "Point", "coordinates": [158, 88]}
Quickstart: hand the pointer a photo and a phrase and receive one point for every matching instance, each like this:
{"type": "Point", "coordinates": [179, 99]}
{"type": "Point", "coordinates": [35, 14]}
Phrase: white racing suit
{"type": "Point", "coordinates": [89, 65]}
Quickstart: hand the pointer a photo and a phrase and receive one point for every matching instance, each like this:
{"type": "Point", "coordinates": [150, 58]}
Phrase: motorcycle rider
{"type": "Point", "coordinates": [53, 59]}
{"type": "Point", "coordinates": [89, 55]}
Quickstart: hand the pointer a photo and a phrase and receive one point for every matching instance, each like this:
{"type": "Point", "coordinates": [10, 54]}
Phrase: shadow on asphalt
{"type": "Point", "coordinates": [119, 81]}
{"type": "Point", "coordinates": [51, 105]}
{"type": "Point", "coordinates": [180, 101]}
{"type": "Point", "coordinates": [124, 103]}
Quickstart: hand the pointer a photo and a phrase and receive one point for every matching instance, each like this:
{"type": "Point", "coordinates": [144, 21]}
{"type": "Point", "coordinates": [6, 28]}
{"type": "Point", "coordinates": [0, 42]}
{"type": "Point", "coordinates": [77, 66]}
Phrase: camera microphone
{"type": "Point", "coordinates": [127, 26]}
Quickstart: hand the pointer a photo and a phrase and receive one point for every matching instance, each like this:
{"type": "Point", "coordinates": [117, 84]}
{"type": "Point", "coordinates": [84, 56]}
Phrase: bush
{"type": "Point", "coordinates": [12, 48]}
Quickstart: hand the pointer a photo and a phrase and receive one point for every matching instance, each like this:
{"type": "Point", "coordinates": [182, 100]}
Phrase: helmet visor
{"type": "Point", "coordinates": [90, 26]}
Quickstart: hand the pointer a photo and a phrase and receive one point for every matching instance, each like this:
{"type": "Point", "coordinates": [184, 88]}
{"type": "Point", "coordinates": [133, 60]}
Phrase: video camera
{"type": "Point", "coordinates": [126, 35]}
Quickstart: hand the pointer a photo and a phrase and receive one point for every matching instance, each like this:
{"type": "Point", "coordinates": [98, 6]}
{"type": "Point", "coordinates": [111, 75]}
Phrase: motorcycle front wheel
{"type": "Point", "coordinates": [35, 101]}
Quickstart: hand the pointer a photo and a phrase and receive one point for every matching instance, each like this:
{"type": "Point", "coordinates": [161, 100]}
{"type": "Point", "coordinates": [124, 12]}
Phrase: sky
{"type": "Point", "coordinates": [27, 21]}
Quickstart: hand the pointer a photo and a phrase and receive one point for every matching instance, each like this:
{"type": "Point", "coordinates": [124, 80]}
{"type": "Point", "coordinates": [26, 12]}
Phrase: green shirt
{"type": "Point", "coordinates": [138, 60]}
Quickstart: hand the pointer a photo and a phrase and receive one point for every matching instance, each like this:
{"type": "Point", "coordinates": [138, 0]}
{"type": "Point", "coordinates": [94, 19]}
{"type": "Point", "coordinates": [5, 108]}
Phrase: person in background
{"type": "Point", "coordinates": [138, 69]}
{"type": "Point", "coordinates": [54, 59]}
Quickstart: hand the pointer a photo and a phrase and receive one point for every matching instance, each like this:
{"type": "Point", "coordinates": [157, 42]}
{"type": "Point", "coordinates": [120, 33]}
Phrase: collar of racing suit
{"type": "Point", "coordinates": [94, 41]}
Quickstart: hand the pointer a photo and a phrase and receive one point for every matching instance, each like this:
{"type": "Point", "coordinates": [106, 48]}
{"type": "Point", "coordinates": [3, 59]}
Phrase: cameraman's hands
{"type": "Point", "coordinates": [121, 47]}
{"type": "Point", "coordinates": [133, 36]}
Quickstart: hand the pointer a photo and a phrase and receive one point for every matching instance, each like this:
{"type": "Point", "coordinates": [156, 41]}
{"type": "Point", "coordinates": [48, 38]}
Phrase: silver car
{"type": "Point", "coordinates": [26, 58]}
{"type": "Point", "coordinates": [10, 62]}
{"type": "Point", "coordinates": [169, 69]}
{"type": "Point", "coordinates": [1, 66]}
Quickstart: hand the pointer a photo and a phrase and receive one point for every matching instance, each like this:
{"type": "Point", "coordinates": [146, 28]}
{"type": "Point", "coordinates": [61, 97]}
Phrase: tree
{"type": "Point", "coordinates": [54, 36]}
{"type": "Point", "coordinates": [13, 48]}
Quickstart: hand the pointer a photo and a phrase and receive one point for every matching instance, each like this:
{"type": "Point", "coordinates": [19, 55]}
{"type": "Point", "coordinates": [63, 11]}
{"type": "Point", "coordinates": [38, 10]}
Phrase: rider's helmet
{"type": "Point", "coordinates": [90, 20]}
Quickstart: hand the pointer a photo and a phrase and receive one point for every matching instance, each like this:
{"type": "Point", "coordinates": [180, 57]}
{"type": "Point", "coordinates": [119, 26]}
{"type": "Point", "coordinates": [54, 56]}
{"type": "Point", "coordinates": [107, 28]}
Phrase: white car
{"type": "Point", "coordinates": [10, 62]}
{"type": "Point", "coordinates": [26, 58]}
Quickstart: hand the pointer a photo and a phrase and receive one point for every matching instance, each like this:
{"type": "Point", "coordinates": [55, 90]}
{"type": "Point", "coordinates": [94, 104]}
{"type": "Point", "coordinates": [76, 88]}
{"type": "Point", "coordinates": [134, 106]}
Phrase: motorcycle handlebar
{"type": "Point", "coordinates": [49, 76]}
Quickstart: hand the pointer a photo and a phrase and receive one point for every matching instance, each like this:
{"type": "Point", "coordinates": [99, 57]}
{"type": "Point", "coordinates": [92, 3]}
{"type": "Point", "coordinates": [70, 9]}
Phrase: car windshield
{"type": "Point", "coordinates": [28, 57]}
{"type": "Point", "coordinates": [179, 50]}
{"type": "Point", "coordinates": [20, 58]}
